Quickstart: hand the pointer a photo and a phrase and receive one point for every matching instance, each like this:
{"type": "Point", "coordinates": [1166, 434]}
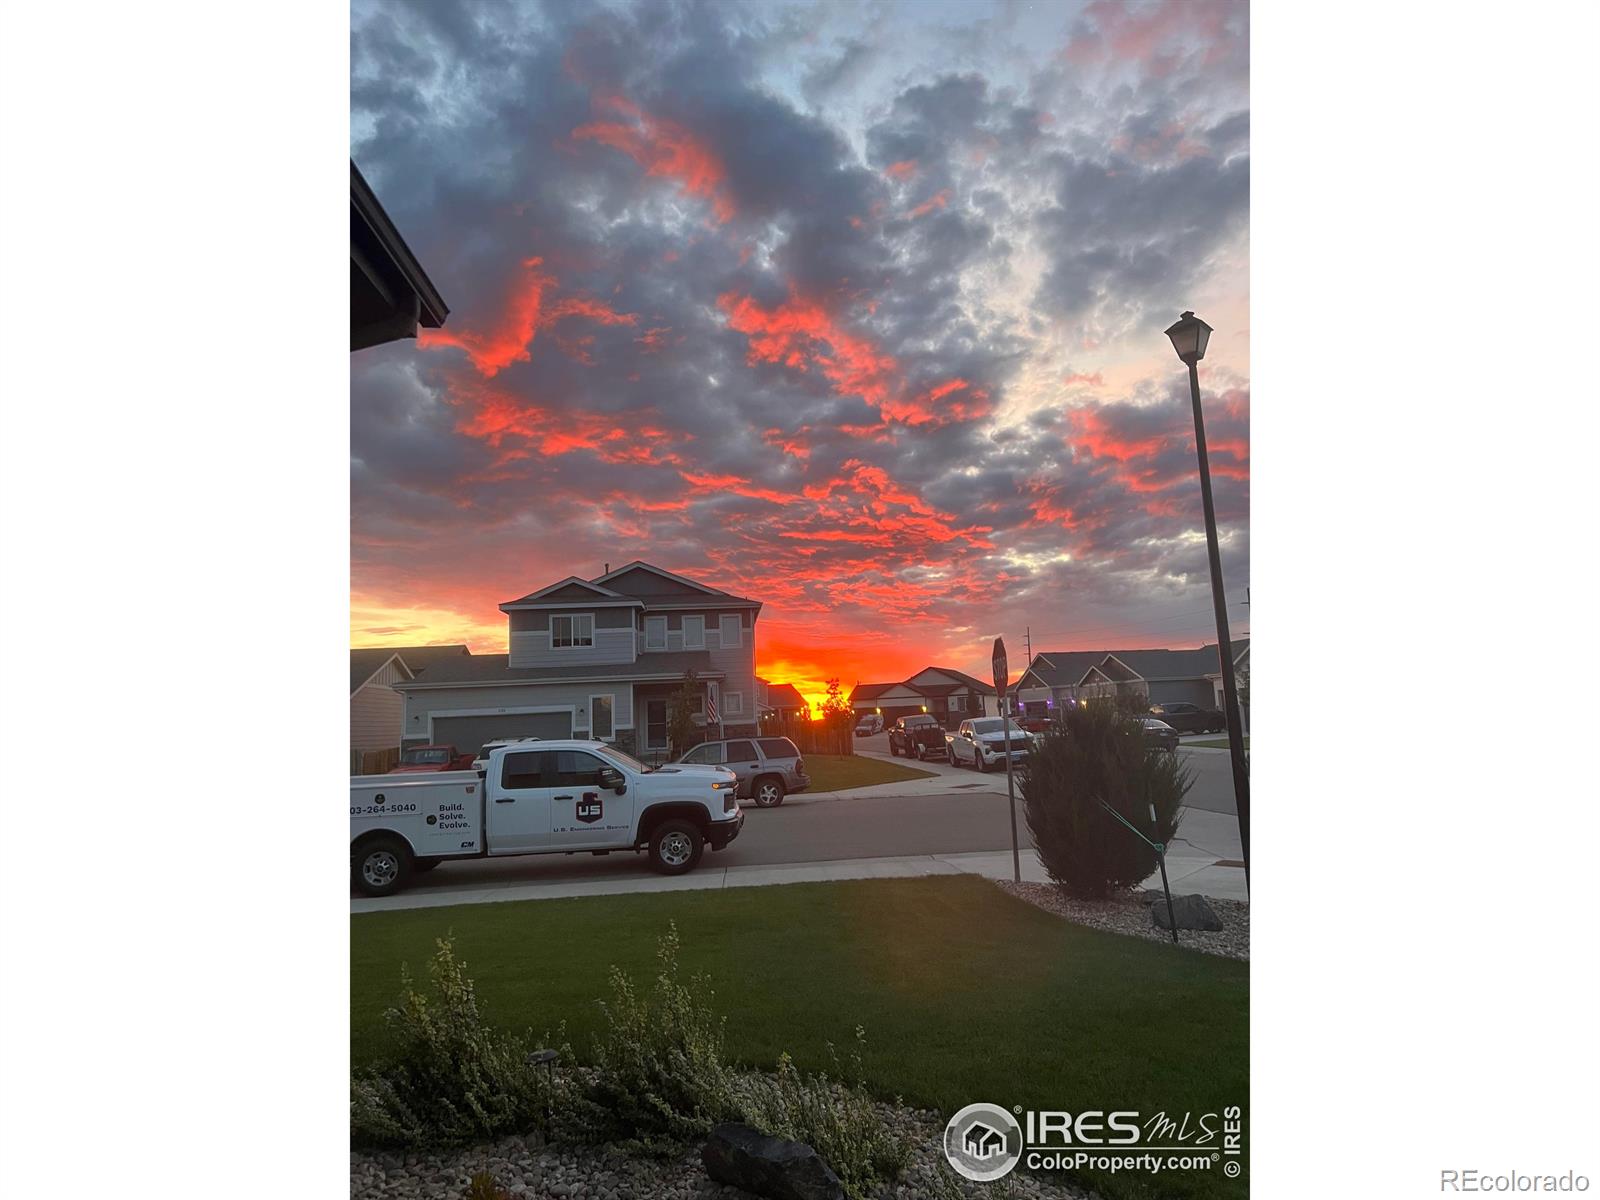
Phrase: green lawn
{"type": "Point", "coordinates": [835, 772]}
{"type": "Point", "coordinates": [1220, 743]}
{"type": "Point", "coordinates": [966, 994]}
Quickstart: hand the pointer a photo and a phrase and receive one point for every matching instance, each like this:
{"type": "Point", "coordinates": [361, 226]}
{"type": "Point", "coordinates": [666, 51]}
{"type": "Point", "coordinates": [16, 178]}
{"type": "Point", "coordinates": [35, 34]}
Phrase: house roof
{"type": "Point", "coordinates": [976, 684]}
{"type": "Point", "coordinates": [1065, 668]}
{"type": "Point", "coordinates": [390, 293]}
{"type": "Point", "coordinates": [784, 695]}
{"type": "Point", "coordinates": [871, 691]}
{"type": "Point", "coordinates": [575, 592]}
{"type": "Point", "coordinates": [960, 679]}
{"type": "Point", "coordinates": [491, 669]}
{"type": "Point", "coordinates": [368, 661]}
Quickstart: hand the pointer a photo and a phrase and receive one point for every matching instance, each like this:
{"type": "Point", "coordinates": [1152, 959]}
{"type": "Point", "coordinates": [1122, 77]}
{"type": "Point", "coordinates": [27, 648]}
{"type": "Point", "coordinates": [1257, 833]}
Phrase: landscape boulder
{"type": "Point", "coordinates": [1191, 912]}
{"type": "Point", "coordinates": [768, 1166]}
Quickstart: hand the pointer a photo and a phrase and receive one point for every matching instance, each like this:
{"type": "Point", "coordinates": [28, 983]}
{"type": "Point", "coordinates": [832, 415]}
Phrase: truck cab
{"type": "Point", "coordinates": [550, 797]}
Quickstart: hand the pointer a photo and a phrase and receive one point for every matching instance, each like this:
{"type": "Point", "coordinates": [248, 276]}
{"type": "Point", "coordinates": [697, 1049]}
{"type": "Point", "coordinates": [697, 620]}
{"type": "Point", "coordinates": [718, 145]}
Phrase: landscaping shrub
{"type": "Point", "coordinates": [659, 1075]}
{"type": "Point", "coordinates": [452, 1078]}
{"type": "Point", "coordinates": [836, 1117]}
{"type": "Point", "coordinates": [1095, 752]}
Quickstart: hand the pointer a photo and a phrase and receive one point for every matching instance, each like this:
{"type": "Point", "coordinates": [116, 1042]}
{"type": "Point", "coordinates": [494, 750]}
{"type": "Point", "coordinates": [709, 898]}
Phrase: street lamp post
{"type": "Point", "coordinates": [1189, 337]}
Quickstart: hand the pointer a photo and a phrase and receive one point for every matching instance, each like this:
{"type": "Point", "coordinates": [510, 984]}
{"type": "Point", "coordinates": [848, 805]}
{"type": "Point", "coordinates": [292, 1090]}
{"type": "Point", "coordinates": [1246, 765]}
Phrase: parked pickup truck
{"type": "Point", "coordinates": [416, 759]}
{"type": "Point", "coordinates": [918, 736]}
{"type": "Point", "coordinates": [553, 797]}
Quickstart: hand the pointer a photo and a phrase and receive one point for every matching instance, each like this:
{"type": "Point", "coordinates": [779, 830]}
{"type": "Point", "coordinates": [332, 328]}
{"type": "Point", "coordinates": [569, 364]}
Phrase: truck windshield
{"type": "Point", "coordinates": [421, 758]}
{"type": "Point", "coordinates": [628, 760]}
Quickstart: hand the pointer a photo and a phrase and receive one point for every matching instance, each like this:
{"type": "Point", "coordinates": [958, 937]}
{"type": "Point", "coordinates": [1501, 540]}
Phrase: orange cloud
{"type": "Point", "coordinates": [938, 200]}
{"type": "Point", "coordinates": [510, 339]}
{"type": "Point", "coordinates": [901, 170]}
{"type": "Point", "coordinates": [664, 149]}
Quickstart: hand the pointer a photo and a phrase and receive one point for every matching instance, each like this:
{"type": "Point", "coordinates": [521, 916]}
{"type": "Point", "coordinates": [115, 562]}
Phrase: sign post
{"type": "Point", "coordinates": [1002, 676]}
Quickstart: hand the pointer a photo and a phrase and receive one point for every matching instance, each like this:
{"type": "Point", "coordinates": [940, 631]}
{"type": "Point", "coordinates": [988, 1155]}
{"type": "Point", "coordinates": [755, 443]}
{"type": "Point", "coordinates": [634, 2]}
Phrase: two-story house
{"type": "Point", "coordinates": [596, 658]}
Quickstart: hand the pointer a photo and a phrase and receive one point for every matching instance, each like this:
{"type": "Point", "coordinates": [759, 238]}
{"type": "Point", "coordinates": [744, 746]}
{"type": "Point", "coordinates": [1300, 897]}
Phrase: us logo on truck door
{"type": "Point", "coordinates": [589, 808]}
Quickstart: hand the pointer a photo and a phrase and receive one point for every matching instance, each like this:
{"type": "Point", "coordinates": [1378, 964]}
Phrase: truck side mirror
{"type": "Point", "coordinates": [610, 777]}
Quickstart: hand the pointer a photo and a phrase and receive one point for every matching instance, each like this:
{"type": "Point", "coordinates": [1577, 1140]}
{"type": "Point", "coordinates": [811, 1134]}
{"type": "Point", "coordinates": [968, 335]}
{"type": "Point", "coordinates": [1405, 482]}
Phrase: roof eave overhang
{"type": "Point", "coordinates": [664, 677]}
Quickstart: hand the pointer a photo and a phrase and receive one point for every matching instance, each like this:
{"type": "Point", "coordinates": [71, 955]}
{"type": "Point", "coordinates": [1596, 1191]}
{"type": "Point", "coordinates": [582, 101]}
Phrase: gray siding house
{"type": "Point", "coordinates": [596, 658]}
{"type": "Point", "coordinates": [377, 711]}
{"type": "Point", "coordinates": [1061, 678]}
{"type": "Point", "coordinates": [951, 696]}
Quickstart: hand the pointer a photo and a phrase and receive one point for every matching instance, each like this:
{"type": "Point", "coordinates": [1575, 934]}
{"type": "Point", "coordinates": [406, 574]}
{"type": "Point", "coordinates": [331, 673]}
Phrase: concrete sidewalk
{"type": "Point", "coordinates": [1190, 869]}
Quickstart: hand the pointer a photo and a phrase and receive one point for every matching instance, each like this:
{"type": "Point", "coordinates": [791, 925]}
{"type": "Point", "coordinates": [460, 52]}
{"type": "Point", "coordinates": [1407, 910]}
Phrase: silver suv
{"type": "Point", "coordinates": [769, 768]}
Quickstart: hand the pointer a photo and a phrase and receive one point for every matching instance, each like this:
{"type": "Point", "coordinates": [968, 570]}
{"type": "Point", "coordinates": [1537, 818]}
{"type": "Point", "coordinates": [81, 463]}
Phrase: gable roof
{"type": "Point", "coordinates": [483, 669]}
{"type": "Point", "coordinates": [871, 691]}
{"type": "Point", "coordinates": [1058, 668]}
{"type": "Point", "coordinates": [962, 677]}
{"type": "Point", "coordinates": [569, 590]}
{"type": "Point", "coordinates": [369, 660]}
{"type": "Point", "coordinates": [784, 695]}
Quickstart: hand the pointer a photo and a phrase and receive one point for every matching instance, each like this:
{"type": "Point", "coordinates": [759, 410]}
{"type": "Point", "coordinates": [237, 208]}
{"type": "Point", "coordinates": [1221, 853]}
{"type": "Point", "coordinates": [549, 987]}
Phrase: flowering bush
{"type": "Point", "coordinates": [452, 1078]}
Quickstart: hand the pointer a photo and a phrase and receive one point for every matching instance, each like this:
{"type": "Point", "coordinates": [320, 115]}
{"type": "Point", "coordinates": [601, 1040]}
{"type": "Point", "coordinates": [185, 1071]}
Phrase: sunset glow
{"type": "Point", "coordinates": [879, 347]}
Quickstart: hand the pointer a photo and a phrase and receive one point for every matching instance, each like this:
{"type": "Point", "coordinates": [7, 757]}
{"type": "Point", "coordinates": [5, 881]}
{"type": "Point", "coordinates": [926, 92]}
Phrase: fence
{"type": "Point", "coordinates": [833, 735]}
{"type": "Point", "coordinates": [374, 762]}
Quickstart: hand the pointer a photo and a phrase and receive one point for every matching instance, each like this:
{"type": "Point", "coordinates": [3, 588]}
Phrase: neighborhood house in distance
{"type": "Point", "coordinates": [949, 695]}
{"type": "Point", "coordinates": [595, 658]}
{"type": "Point", "coordinates": [1056, 679]}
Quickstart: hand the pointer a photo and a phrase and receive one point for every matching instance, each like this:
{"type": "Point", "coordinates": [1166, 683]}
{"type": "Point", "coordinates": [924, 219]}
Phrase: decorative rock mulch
{"type": "Point", "coordinates": [1129, 914]}
{"type": "Point", "coordinates": [524, 1168]}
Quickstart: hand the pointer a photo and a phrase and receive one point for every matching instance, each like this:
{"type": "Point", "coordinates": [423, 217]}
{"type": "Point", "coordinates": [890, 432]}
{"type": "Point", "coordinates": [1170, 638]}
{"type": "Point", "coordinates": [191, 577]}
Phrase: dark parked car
{"type": "Point", "coordinates": [1160, 734]}
{"type": "Point", "coordinates": [918, 736]}
{"type": "Point", "coordinates": [1190, 718]}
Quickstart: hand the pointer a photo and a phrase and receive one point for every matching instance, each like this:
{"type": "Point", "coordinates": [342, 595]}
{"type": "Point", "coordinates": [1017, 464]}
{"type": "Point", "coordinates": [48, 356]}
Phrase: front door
{"type": "Point", "coordinates": [519, 803]}
{"type": "Point", "coordinates": [583, 815]}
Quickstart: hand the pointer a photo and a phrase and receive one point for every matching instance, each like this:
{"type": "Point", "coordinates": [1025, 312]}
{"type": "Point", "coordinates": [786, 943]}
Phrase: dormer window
{"type": "Point", "coordinates": [570, 631]}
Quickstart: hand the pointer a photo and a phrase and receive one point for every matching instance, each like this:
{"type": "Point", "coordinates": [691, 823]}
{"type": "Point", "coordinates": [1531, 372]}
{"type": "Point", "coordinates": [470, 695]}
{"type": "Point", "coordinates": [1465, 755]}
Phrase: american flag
{"type": "Point", "coordinates": [711, 709]}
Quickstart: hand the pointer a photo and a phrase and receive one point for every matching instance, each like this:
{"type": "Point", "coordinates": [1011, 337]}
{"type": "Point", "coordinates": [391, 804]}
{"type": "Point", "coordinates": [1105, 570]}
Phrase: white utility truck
{"type": "Point", "coordinates": [549, 797]}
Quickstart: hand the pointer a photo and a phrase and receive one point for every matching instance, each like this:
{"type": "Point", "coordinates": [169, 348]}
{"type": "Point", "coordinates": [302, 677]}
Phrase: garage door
{"type": "Point", "coordinates": [468, 734]}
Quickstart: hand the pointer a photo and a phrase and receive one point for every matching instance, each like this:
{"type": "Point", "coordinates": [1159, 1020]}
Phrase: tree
{"type": "Point", "coordinates": [834, 703]}
{"type": "Point", "coordinates": [682, 706]}
{"type": "Point", "coordinates": [1095, 753]}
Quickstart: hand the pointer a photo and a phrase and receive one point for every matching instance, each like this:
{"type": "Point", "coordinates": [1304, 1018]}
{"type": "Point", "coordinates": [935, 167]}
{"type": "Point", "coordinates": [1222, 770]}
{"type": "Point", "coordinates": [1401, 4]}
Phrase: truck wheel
{"type": "Point", "coordinates": [769, 791]}
{"type": "Point", "coordinates": [675, 847]}
{"type": "Point", "coordinates": [381, 867]}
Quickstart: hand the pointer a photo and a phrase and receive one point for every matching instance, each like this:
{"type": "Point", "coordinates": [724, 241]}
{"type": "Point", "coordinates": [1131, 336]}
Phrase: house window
{"type": "Point", "coordinates": [729, 623]}
{"type": "Point", "coordinates": [694, 633]}
{"type": "Point", "coordinates": [655, 633]}
{"type": "Point", "coordinates": [600, 719]}
{"type": "Point", "coordinates": [570, 631]}
{"type": "Point", "coordinates": [733, 704]}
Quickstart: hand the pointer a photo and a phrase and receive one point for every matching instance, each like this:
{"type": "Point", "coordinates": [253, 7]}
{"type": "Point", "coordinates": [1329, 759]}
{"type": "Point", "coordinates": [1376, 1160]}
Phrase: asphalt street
{"type": "Point", "coordinates": [968, 813]}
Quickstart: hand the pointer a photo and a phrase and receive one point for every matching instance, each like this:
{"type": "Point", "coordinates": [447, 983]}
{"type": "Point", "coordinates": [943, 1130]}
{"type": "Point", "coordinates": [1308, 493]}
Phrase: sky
{"type": "Point", "coordinates": [854, 309]}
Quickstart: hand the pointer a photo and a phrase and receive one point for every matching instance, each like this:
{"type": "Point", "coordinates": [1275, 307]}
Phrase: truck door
{"type": "Point", "coordinates": [583, 815]}
{"type": "Point", "coordinates": [520, 800]}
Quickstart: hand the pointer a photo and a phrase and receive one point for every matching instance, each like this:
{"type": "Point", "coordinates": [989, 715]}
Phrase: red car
{"type": "Point", "coordinates": [432, 758]}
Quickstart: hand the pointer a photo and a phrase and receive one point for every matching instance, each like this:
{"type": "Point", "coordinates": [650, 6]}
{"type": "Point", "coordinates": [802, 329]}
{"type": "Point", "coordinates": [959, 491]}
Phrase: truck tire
{"type": "Point", "coordinates": [769, 791]}
{"type": "Point", "coordinates": [381, 867]}
{"type": "Point", "coordinates": [676, 847]}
